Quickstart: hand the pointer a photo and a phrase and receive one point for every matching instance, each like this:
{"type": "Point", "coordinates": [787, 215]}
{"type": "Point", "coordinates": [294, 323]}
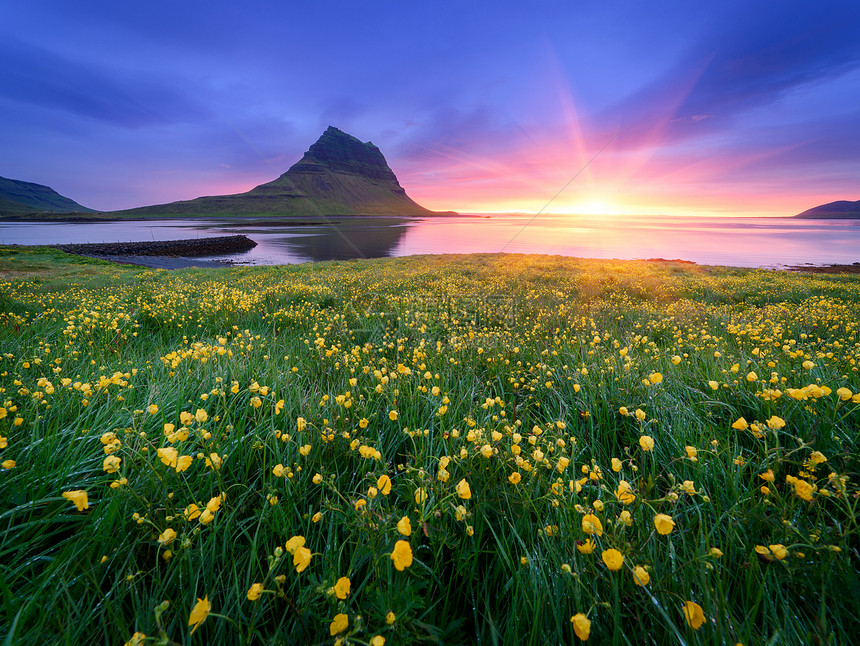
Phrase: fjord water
{"type": "Point", "coordinates": [731, 240]}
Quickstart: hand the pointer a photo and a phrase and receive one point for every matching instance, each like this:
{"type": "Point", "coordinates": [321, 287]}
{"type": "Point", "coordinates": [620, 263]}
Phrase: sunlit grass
{"type": "Point", "coordinates": [555, 431]}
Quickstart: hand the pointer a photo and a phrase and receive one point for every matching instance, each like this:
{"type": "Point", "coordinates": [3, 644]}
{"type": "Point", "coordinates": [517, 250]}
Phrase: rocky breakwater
{"type": "Point", "coordinates": [185, 248]}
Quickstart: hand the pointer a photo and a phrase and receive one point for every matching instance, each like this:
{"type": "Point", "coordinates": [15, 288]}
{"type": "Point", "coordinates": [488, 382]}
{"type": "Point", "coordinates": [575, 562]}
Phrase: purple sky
{"type": "Point", "coordinates": [729, 107]}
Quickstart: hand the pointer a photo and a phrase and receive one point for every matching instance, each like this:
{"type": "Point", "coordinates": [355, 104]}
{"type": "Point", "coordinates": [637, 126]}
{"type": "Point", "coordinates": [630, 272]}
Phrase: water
{"type": "Point", "coordinates": [734, 241]}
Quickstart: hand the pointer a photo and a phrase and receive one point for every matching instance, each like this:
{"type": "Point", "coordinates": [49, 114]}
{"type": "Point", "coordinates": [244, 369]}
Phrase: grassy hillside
{"type": "Point", "coordinates": [18, 197]}
{"type": "Point", "coordinates": [442, 449]}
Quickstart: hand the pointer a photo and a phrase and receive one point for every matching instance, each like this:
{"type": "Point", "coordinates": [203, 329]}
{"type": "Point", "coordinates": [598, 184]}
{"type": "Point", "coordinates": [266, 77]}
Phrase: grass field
{"type": "Point", "coordinates": [450, 449]}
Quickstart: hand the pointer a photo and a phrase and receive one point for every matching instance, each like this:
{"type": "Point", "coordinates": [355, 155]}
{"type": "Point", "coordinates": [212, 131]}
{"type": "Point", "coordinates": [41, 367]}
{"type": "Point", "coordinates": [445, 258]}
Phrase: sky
{"type": "Point", "coordinates": [577, 106]}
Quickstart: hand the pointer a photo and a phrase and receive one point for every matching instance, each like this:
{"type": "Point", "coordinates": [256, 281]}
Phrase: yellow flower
{"type": "Point", "coordinates": [301, 559]}
{"type": "Point", "coordinates": [420, 496]}
{"type": "Point", "coordinates": [581, 626]}
{"type": "Point", "coordinates": [775, 423]}
{"type": "Point", "coordinates": [463, 489]}
{"type": "Point", "coordinates": [377, 640]}
{"type": "Point", "coordinates": [278, 471]}
{"type": "Point", "coordinates": [392, 416]}
{"type": "Point", "coordinates": [152, 409]}
{"type": "Point", "coordinates": [624, 493]}
{"type": "Point", "coordinates": [201, 415]}
{"type": "Point", "coordinates": [844, 394]}
{"type": "Point", "coordinates": [199, 612]}
{"type": "Point", "coordinates": [255, 591]}
{"type": "Point", "coordinates": [688, 487]}
{"type": "Point", "coordinates": [740, 424]}
{"type": "Point", "coordinates": [751, 376]}
{"type": "Point", "coordinates": [655, 377]}
{"type": "Point", "coordinates": [137, 639]}
{"type": "Point", "coordinates": [300, 424]}
{"type": "Point", "coordinates": [641, 576]}
{"type": "Point", "coordinates": [664, 524]}
{"type": "Point", "coordinates": [206, 517]}
{"type": "Point", "coordinates": [167, 536]}
{"type": "Point", "coordinates": [390, 618]}
{"type": "Point", "coordinates": [616, 464]}
{"type": "Point", "coordinates": [404, 526]}
{"type": "Point", "coordinates": [305, 449]}
{"type": "Point", "coordinates": [295, 543]}
{"type": "Point", "coordinates": [339, 624]}
{"type": "Point", "coordinates": [515, 477]}
{"type": "Point", "coordinates": [384, 485]}
{"type": "Point", "coordinates": [191, 512]}
{"type": "Point", "coordinates": [623, 410]}
{"type": "Point", "coordinates": [279, 406]}
{"type": "Point", "coordinates": [168, 456]}
{"type": "Point", "coordinates": [8, 464]}
{"type": "Point", "coordinates": [613, 559]}
{"type": "Point", "coordinates": [640, 414]}
{"type": "Point", "coordinates": [587, 547]}
{"type": "Point", "coordinates": [626, 518]}
{"type": "Point", "coordinates": [78, 497]}
{"type": "Point", "coordinates": [342, 587]}
{"type": "Point", "coordinates": [767, 475]}
{"type": "Point", "coordinates": [591, 525]}
{"type": "Point", "coordinates": [716, 552]}
{"type": "Point", "coordinates": [111, 463]}
{"type": "Point", "coordinates": [692, 453]}
{"type": "Point", "coordinates": [694, 615]}
{"type": "Point", "coordinates": [402, 555]}
{"type": "Point", "coordinates": [646, 442]}
{"type": "Point", "coordinates": [714, 385]}
{"type": "Point", "coordinates": [803, 489]}
{"type": "Point", "coordinates": [183, 462]}
{"type": "Point", "coordinates": [778, 551]}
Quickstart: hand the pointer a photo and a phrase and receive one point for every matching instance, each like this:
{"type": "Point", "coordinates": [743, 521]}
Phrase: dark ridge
{"type": "Point", "coordinates": [839, 210]}
{"type": "Point", "coordinates": [196, 247]}
{"type": "Point", "coordinates": [26, 198]}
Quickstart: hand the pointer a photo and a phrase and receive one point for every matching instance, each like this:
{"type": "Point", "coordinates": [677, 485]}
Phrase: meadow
{"type": "Point", "coordinates": [442, 449]}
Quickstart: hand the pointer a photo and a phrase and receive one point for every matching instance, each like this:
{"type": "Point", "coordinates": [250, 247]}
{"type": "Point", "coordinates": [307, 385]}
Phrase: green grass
{"type": "Point", "coordinates": [495, 365]}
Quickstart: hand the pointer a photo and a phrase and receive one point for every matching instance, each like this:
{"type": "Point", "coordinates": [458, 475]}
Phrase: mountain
{"type": "Point", "coordinates": [20, 198]}
{"type": "Point", "coordinates": [841, 210]}
{"type": "Point", "coordinates": [338, 175]}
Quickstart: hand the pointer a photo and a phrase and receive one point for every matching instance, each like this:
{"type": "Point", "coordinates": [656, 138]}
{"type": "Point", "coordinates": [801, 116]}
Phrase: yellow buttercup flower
{"type": "Point", "coordinates": [295, 543]}
{"type": "Point", "coordinates": [255, 591]}
{"type": "Point", "coordinates": [384, 484]}
{"type": "Point", "coordinates": [646, 442]}
{"type": "Point", "coordinates": [402, 555]}
{"type": "Point", "coordinates": [740, 424]}
{"type": "Point", "coordinates": [338, 624]}
{"type": "Point", "coordinates": [404, 526]}
{"type": "Point", "coordinates": [587, 547]}
{"type": "Point", "coordinates": [591, 525]}
{"type": "Point", "coordinates": [613, 559]}
{"type": "Point", "coordinates": [641, 576]}
{"type": "Point", "coordinates": [111, 464]}
{"type": "Point", "coordinates": [664, 524]}
{"type": "Point", "coordinates": [79, 498]}
{"type": "Point", "coordinates": [463, 490]}
{"type": "Point", "coordinates": [199, 613]}
{"type": "Point", "coordinates": [694, 615]}
{"type": "Point", "coordinates": [515, 477]}
{"type": "Point", "coordinates": [420, 496]}
{"type": "Point", "coordinates": [167, 536]}
{"type": "Point", "coordinates": [775, 423]}
{"type": "Point", "coordinates": [342, 587]}
{"type": "Point", "coordinates": [301, 559]}
{"type": "Point", "coordinates": [624, 493]}
{"type": "Point", "coordinates": [581, 626]}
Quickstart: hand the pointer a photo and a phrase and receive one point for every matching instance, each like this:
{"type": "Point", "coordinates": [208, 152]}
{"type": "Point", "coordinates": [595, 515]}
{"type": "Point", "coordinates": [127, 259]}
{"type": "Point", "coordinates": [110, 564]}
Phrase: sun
{"type": "Point", "coordinates": [591, 206]}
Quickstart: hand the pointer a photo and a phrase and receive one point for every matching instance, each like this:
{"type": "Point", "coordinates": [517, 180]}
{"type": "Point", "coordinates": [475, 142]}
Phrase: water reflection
{"type": "Point", "coordinates": [738, 241]}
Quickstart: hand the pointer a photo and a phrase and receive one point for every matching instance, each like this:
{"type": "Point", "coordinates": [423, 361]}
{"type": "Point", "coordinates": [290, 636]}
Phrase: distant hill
{"type": "Point", "coordinates": [841, 210]}
{"type": "Point", "coordinates": [338, 175]}
{"type": "Point", "coordinates": [21, 198]}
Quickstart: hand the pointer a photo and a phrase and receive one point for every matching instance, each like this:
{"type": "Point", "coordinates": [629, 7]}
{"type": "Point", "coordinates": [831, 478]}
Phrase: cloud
{"type": "Point", "coordinates": [37, 76]}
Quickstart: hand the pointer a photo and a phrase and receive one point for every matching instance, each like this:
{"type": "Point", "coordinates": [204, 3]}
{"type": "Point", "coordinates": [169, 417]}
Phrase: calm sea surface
{"type": "Point", "coordinates": [736, 241]}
